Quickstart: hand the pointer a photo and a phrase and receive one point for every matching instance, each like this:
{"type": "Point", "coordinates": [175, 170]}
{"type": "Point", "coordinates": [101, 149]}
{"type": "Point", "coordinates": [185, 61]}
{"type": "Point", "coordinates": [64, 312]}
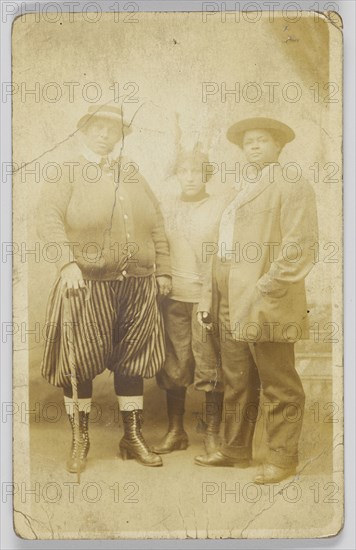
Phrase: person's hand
{"type": "Point", "coordinates": [72, 278]}
{"type": "Point", "coordinates": [164, 285]}
{"type": "Point", "coordinates": [204, 320]}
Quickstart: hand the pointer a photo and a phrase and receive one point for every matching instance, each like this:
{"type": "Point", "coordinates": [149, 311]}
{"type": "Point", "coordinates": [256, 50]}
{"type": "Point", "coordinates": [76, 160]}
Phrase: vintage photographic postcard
{"type": "Point", "coordinates": [177, 280]}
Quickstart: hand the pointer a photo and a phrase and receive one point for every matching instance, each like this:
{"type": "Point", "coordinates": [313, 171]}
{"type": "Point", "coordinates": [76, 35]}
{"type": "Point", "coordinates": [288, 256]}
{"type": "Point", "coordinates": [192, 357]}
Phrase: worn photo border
{"type": "Point", "coordinates": [346, 539]}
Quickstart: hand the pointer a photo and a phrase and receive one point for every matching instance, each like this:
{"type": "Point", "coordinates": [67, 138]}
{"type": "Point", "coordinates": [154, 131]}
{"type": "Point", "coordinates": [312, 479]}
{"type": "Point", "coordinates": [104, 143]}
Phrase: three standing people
{"type": "Point", "coordinates": [102, 310]}
{"type": "Point", "coordinates": [267, 238]}
{"type": "Point", "coordinates": [114, 249]}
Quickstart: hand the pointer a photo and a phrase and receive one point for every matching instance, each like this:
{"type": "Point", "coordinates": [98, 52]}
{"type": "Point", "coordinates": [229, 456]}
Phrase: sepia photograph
{"type": "Point", "coordinates": [177, 273]}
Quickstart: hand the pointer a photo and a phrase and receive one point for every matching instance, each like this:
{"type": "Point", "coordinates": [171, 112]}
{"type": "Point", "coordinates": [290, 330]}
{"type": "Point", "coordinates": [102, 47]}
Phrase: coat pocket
{"type": "Point", "coordinates": [280, 293]}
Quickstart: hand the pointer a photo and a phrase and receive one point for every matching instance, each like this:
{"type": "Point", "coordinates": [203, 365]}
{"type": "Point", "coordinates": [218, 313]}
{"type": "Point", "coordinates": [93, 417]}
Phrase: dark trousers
{"type": "Point", "coordinates": [250, 368]}
{"type": "Point", "coordinates": [192, 355]}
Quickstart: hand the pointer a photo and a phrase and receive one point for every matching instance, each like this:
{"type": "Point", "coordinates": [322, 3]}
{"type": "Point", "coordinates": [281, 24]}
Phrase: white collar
{"type": "Point", "coordinates": [91, 156]}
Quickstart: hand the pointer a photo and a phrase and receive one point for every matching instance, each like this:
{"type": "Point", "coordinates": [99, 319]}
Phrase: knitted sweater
{"type": "Point", "coordinates": [191, 228]}
{"type": "Point", "coordinates": [106, 219]}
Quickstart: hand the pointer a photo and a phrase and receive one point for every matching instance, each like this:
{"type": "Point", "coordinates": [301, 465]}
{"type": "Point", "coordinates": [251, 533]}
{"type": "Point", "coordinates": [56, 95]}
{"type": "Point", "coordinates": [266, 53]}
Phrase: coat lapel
{"type": "Point", "coordinates": [254, 189]}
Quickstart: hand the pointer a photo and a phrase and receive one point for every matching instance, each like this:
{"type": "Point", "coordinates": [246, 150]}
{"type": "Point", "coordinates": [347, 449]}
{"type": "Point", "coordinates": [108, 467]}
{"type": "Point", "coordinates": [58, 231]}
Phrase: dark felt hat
{"type": "Point", "coordinates": [236, 132]}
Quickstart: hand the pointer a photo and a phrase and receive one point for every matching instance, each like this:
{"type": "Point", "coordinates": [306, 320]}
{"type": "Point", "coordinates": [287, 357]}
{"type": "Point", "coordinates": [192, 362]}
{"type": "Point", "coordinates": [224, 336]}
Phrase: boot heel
{"type": "Point", "coordinates": [183, 446]}
{"type": "Point", "coordinates": [125, 453]}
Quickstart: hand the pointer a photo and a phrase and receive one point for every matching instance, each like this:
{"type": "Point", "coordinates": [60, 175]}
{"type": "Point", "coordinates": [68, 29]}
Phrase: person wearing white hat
{"type": "Point", "coordinates": [115, 255]}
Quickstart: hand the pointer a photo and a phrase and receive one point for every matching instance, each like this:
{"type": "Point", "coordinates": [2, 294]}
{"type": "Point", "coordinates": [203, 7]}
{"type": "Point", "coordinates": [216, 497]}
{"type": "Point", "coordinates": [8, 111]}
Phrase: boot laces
{"type": "Point", "coordinates": [80, 447]}
{"type": "Point", "coordinates": [134, 432]}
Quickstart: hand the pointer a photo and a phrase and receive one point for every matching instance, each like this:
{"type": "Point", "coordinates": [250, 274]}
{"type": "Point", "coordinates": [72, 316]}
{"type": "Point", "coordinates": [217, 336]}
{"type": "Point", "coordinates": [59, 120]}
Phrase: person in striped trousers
{"type": "Point", "coordinates": [113, 260]}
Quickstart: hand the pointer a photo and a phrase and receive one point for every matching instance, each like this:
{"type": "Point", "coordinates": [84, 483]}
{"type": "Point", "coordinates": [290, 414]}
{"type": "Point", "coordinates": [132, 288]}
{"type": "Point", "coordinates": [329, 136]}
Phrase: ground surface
{"type": "Point", "coordinates": [117, 498]}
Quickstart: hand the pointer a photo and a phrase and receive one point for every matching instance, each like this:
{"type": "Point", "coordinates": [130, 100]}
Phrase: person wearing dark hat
{"type": "Point", "coordinates": [266, 240]}
{"type": "Point", "coordinates": [102, 310]}
{"type": "Point", "coordinates": [191, 219]}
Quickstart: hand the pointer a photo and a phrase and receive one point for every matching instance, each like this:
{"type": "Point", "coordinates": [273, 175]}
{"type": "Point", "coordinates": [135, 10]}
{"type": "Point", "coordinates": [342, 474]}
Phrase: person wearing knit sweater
{"type": "Point", "coordinates": [192, 356]}
{"type": "Point", "coordinates": [113, 258]}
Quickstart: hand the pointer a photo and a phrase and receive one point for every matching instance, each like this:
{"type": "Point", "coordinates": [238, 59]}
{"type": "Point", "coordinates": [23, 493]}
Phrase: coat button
{"type": "Point", "coordinates": [120, 278]}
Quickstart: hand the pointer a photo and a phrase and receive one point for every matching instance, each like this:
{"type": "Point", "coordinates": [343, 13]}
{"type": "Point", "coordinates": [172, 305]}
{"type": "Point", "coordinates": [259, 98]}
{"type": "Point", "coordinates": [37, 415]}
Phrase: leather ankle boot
{"type": "Point", "coordinates": [133, 445]}
{"type": "Point", "coordinates": [274, 474]}
{"type": "Point", "coordinates": [176, 439]}
{"type": "Point", "coordinates": [213, 405]}
{"type": "Point", "coordinates": [78, 454]}
{"type": "Point", "coordinates": [220, 460]}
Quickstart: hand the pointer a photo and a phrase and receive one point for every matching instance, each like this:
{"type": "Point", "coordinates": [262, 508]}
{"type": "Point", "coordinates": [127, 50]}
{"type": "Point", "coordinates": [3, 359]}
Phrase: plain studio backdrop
{"type": "Point", "coordinates": [179, 80]}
